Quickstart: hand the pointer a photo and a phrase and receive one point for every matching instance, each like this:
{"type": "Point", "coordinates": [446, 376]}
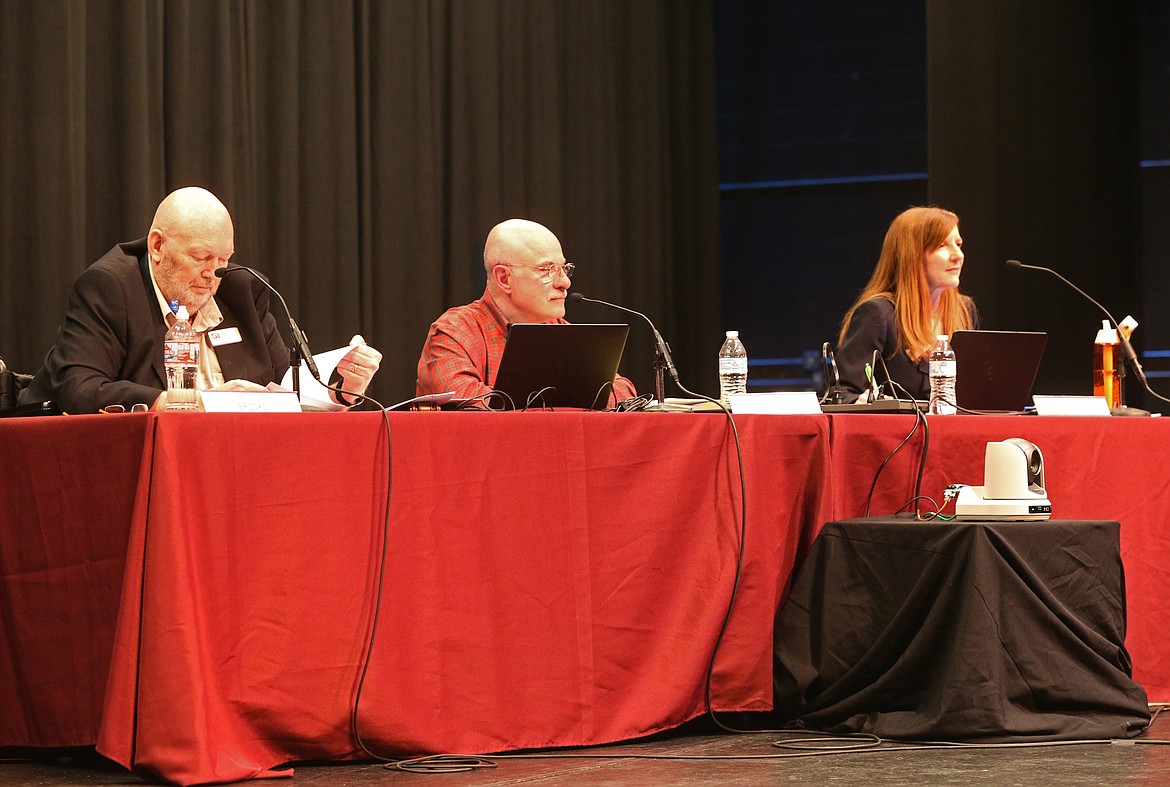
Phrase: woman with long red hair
{"type": "Point", "coordinates": [912, 297]}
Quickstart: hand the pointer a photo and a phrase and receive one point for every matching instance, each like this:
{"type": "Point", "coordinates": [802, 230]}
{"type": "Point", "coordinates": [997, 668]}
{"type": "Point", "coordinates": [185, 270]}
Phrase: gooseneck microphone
{"type": "Point", "coordinates": [1126, 348]}
{"type": "Point", "coordinates": [662, 346]}
{"type": "Point", "coordinates": [300, 343]}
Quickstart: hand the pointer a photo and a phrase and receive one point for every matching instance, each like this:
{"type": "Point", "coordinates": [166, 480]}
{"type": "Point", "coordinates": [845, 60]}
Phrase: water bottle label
{"type": "Point", "coordinates": [181, 352]}
{"type": "Point", "coordinates": [942, 368]}
{"type": "Point", "coordinates": [733, 365]}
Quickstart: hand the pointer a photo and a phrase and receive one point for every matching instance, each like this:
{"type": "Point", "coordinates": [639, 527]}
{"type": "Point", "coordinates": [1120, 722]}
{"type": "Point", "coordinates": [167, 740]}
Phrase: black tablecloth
{"type": "Point", "coordinates": [960, 632]}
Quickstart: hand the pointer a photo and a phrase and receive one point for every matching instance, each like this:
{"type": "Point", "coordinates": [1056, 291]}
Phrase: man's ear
{"type": "Point", "coordinates": [502, 276]}
{"type": "Point", "coordinates": [154, 243]}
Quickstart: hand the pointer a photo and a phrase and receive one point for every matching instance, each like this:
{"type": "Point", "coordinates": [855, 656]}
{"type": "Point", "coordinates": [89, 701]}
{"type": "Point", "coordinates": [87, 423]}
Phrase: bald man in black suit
{"type": "Point", "coordinates": [109, 346]}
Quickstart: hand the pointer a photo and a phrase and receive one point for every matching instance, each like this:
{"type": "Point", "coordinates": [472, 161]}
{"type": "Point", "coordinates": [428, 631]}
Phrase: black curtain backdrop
{"type": "Point", "coordinates": [364, 149]}
{"type": "Point", "coordinates": [1034, 129]}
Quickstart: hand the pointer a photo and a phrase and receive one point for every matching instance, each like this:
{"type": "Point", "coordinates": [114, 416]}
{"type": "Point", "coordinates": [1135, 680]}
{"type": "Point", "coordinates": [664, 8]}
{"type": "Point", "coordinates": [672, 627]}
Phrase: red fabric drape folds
{"type": "Point", "coordinates": [551, 579]}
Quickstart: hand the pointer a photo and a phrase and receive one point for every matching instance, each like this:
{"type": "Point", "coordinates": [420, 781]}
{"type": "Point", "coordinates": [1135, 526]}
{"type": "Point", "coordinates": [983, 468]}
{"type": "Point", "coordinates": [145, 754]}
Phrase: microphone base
{"type": "Point", "coordinates": [1131, 412]}
{"type": "Point", "coordinates": [682, 406]}
{"type": "Point", "coordinates": [835, 395]}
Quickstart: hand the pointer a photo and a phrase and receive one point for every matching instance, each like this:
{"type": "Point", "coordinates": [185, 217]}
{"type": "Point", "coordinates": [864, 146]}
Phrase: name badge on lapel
{"type": "Point", "coordinates": [225, 336]}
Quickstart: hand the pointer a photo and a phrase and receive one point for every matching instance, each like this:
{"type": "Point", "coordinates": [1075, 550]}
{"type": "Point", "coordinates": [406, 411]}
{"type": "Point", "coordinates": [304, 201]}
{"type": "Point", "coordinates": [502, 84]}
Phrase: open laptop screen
{"type": "Point", "coordinates": [996, 369]}
{"type": "Point", "coordinates": [561, 365]}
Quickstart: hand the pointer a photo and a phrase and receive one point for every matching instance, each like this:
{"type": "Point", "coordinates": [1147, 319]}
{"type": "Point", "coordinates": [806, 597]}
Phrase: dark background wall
{"type": "Point", "coordinates": [1045, 125]}
{"type": "Point", "coordinates": [1034, 139]}
{"type": "Point", "coordinates": [822, 140]}
{"type": "Point", "coordinates": [365, 148]}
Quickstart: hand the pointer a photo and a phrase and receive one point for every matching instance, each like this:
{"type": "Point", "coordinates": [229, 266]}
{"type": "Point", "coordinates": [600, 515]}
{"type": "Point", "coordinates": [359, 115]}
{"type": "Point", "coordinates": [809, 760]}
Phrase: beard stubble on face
{"type": "Point", "coordinates": [175, 286]}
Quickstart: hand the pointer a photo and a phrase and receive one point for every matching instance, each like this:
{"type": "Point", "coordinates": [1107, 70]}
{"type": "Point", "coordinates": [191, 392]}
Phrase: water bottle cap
{"type": "Point", "coordinates": [733, 334]}
{"type": "Point", "coordinates": [942, 337]}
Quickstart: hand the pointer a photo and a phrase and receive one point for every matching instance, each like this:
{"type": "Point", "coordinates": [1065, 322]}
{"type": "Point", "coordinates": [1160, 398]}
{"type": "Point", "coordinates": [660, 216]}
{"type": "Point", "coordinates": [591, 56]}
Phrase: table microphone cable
{"type": "Point", "coordinates": [742, 528]}
{"type": "Point", "coordinates": [738, 558]}
{"type": "Point", "coordinates": [919, 416]}
{"type": "Point", "coordinates": [376, 610]}
{"type": "Point", "coordinates": [372, 628]}
{"type": "Point", "coordinates": [666, 365]}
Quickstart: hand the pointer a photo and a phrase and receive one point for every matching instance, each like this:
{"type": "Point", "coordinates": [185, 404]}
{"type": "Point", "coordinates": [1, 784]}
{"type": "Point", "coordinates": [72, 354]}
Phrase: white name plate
{"type": "Point", "coordinates": [776, 403]}
{"type": "Point", "coordinates": [1071, 405]}
{"type": "Point", "coordinates": [250, 402]}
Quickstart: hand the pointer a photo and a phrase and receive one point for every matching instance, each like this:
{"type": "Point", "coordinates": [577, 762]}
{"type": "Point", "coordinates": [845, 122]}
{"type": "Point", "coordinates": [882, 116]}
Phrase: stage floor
{"type": "Point", "coordinates": [1145, 760]}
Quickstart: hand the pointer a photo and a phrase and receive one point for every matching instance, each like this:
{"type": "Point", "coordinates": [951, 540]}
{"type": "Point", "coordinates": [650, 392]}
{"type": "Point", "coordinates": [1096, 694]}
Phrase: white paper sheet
{"type": "Point", "coordinates": [776, 403]}
{"type": "Point", "coordinates": [313, 394]}
{"type": "Point", "coordinates": [1071, 405]}
{"type": "Point", "coordinates": [271, 401]}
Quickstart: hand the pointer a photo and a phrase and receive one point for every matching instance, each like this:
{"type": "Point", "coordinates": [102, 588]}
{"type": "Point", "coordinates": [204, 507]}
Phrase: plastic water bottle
{"type": "Point", "coordinates": [181, 357]}
{"type": "Point", "coordinates": [732, 368]}
{"type": "Point", "coordinates": [942, 376]}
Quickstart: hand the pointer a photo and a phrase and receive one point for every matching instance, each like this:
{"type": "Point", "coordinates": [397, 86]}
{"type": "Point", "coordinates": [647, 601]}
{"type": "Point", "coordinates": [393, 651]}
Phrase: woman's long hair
{"type": "Point", "coordinates": [900, 277]}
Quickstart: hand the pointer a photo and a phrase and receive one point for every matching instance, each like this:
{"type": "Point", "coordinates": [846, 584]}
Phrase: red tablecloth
{"type": "Point", "coordinates": [67, 490]}
{"type": "Point", "coordinates": [551, 579]}
{"type": "Point", "coordinates": [194, 592]}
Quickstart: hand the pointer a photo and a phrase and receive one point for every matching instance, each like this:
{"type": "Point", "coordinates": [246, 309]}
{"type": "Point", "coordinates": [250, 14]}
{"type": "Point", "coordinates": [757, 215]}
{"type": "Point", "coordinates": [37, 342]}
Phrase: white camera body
{"type": "Point", "coordinates": [1013, 485]}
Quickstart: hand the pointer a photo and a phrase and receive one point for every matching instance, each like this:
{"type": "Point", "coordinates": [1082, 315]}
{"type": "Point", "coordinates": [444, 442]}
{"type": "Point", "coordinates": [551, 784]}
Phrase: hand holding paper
{"type": "Point", "coordinates": [357, 367]}
{"type": "Point", "coordinates": [356, 364]}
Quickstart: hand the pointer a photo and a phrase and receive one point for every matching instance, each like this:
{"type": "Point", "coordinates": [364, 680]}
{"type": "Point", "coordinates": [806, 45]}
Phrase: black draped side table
{"type": "Point", "coordinates": [960, 631]}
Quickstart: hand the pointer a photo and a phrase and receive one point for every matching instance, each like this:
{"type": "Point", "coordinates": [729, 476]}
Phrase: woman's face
{"type": "Point", "coordinates": [944, 264]}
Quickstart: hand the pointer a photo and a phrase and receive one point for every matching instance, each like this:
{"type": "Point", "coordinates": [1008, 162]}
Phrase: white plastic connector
{"type": "Point", "coordinates": [952, 491]}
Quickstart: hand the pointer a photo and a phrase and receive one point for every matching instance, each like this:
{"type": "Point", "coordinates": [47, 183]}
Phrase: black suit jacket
{"type": "Point", "coordinates": [109, 347]}
{"type": "Point", "coordinates": [873, 328]}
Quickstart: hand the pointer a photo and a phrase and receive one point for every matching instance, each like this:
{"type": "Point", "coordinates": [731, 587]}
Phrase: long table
{"type": "Point", "coordinates": [550, 579]}
{"type": "Point", "coordinates": [197, 593]}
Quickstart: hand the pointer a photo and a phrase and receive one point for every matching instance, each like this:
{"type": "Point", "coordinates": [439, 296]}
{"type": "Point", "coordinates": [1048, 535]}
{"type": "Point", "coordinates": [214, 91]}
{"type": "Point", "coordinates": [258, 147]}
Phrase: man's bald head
{"type": "Point", "coordinates": [191, 236]}
{"type": "Point", "coordinates": [522, 242]}
{"type": "Point", "coordinates": [191, 210]}
{"type": "Point", "coordinates": [513, 255]}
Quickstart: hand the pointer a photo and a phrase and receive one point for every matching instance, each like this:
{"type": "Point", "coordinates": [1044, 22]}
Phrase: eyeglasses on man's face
{"type": "Point", "coordinates": [548, 270]}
